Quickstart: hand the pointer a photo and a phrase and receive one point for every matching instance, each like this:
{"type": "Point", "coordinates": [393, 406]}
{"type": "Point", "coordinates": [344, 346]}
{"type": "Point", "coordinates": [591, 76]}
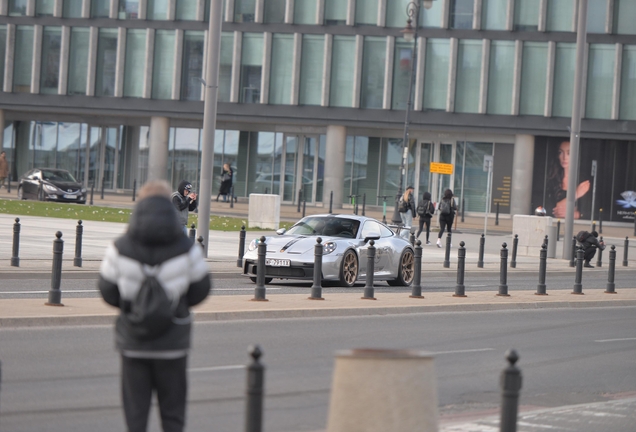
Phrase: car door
{"type": "Point", "coordinates": [382, 249]}
{"type": "Point", "coordinates": [29, 185]}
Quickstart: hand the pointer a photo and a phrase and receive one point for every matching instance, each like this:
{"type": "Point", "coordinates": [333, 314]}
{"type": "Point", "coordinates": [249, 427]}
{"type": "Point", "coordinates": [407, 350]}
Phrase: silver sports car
{"type": "Point", "coordinates": [345, 239]}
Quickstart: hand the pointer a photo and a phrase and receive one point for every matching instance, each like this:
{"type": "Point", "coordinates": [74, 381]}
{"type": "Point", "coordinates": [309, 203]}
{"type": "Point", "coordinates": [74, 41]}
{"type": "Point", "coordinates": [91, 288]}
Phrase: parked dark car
{"type": "Point", "coordinates": [50, 184]}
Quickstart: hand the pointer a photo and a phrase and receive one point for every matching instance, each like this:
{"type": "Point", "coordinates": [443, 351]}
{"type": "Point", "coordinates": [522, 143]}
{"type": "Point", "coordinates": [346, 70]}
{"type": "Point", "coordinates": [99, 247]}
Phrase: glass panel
{"type": "Point", "coordinates": [445, 156]}
{"type": "Point", "coordinates": [280, 76]}
{"type": "Point", "coordinates": [163, 64]}
{"type": "Point", "coordinates": [436, 75]}
{"type": "Point", "coordinates": [390, 173]}
{"type": "Point", "coordinates": [628, 84]}
{"type": "Point", "coordinates": [311, 64]}
{"type": "Point", "coordinates": [309, 157]}
{"type": "Point", "coordinates": [342, 71]}
{"type": "Point", "coordinates": [560, 13]}
{"type": "Point", "coordinates": [335, 12]}
{"type": "Point", "coordinates": [475, 179]}
{"type": "Point", "coordinates": [187, 10]}
{"type": "Point", "coordinates": [111, 146]}
{"type": "Point", "coordinates": [95, 143]}
{"type": "Point", "coordinates": [184, 157]}
{"type": "Point", "coordinates": [23, 59]}
{"type": "Point", "coordinates": [157, 10]}
{"type": "Point", "coordinates": [50, 67]}
{"type": "Point", "coordinates": [44, 7]}
{"type": "Point", "coordinates": [624, 16]}
{"type": "Point", "coordinates": [526, 15]}
{"type": "Point", "coordinates": [432, 17]}
{"type": "Point", "coordinates": [533, 78]}
{"type": "Point", "coordinates": [373, 65]}
{"type": "Point", "coordinates": [274, 11]}
{"type": "Point", "coordinates": [366, 12]}
{"type": "Point", "coordinates": [135, 62]}
{"type": "Point", "coordinates": [251, 68]}
{"type": "Point", "coordinates": [396, 13]}
{"type": "Point", "coordinates": [402, 67]}
{"type": "Point", "coordinates": [244, 10]}
{"type": "Point", "coordinates": [3, 45]}
{"type": "Point", "coordinates": [17, 7]}
{"type": "Point", "coordinates": [596, 16]}
{"type": "Point", "coordinates": [425, 168]}
{"type": "Point", "coordinates": [600, 81]}
{"type": "Point", "coordinates": [494, 14]}
{"type": "Point", "coordinates": [100, 8]}
{"type": "Point", "coordinates": [192, 65]}
{"type": "Point", "coordinates": [72, 9]}
{"type": "Point", "coordinates": [321, 168]}
{"type": "Point", "coordinates": [78, 61]}
{"type": "Point", "coordinates": [106, 62]}
{"type": "Point", "coordinates": [225, 66]}
{"type": "Point", "coordinates": [289, 181]}
{"type": "Point", "coordinates": [305, 11]}
{"type": "Point", "coordinates": [461, 14]}
{"type": "Point", "coordinates": [356, 154]}
{"type": "Point", "coordinates": [564, 68]}
{"type": "Point", "coordinates": [43, 143]}
{"type": "Point", "coordinates": [129, 9]}
{"type": "Point", "coordinates": [219, 160]}
{"type": "Point", "coordinates": [142, 165]}
{"type": "Point", "coordinates": [468, 76]}
{"type": "Point", "coordinates": [68, 148]}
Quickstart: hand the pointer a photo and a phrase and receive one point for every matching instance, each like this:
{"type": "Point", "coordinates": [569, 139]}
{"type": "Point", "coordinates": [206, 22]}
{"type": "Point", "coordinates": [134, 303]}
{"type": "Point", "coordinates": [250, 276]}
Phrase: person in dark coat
{"type": "Point", "coordinates": [425, 210]}
{"type": "Point", "coordinates": [184, 200]}
{"type": "Point", "coordinates": [446, 219]}
{"type": "Point", "coordinates": [226, 182]}
{"type": "Point", "coordinates": [590, 245]}
{"type": "Point", "coordinates": [154, 244]}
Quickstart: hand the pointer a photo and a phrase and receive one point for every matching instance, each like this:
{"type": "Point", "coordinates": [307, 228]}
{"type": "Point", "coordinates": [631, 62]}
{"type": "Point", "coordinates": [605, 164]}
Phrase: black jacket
{"type": "Point", "coordinates": [155, 237]}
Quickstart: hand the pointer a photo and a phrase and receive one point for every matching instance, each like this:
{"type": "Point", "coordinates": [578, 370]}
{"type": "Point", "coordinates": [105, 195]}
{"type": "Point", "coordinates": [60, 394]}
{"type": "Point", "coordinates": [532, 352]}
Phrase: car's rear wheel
{"type": "Point", "coordinates": [406, 270]}
{"type": "Point", "coordinates": [267, 280]}
{"type": "Point", "coordinates": [20, 193]}
{"type": "Point", "coordinates": [349, 269]}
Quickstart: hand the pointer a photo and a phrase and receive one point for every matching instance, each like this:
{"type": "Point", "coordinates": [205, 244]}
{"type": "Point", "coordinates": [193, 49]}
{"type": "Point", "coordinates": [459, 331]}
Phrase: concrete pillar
{"type": "Point", "coordinates": [335, 159]}
{"type": "Point", "coordinates": [158, 148]}
{"type": "Point", "coordinates": [1, 126]}
{"type": "Point", "coordinates": [523, 161]}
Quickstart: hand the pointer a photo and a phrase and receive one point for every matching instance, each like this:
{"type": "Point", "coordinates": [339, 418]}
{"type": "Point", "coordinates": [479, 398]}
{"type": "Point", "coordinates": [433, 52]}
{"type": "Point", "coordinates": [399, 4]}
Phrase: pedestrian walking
{"type": "Point", "coordinates": [227, 177]}
{"type": "Point", "coordinates": [425, 210]}
{"type": "Point", "coordinates": [447, 210]}
{"type": "Point", "coordinates": [184, 200]}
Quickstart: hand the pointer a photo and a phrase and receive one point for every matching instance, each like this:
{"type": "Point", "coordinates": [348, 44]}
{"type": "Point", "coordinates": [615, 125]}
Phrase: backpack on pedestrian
{"type": "Point", "coordinates": [582, 236]}
{"type": "Point", "coordinates": [403, 206]}
{"type": "Point", "coordinates": [445, 207]}
{"type": "Point", "coordinates": [425, 208]}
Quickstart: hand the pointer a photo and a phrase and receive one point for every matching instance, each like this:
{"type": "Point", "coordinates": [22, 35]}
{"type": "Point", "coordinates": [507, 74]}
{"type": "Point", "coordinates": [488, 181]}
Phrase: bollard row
{"type": "Point", "coordinates": [55, 293]}
{"type": "Point", "coordinates": [416, 289]}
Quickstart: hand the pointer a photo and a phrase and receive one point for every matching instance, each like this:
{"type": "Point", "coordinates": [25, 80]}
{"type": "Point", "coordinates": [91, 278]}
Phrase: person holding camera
{"type": "Point", "coordinates": [184, 200]}
{"type": "Point", "coordinates": [589, 243]}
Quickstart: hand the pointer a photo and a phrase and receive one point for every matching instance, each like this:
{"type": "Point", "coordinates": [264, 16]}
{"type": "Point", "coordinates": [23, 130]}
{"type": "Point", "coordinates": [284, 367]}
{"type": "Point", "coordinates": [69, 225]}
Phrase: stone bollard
{"type": "Point", "coordinates": [259, 291]}
{"type": "Point", "coordinates": [15, 255]}
{"type": "Point", "coordinates": [515, 243]}
{"type": "Point", "coordinates": [480, 260]}
{"type": "Point", "coordinates": [383, 390]}
{"type": "Point", "coordinates": [79, 230]}
{"type": "Point", "coordinates": [192, 233]}
{"type": "Point", "coordinates": [611, 286]}
{"type": "Point", "coordinates": [510, 383]}
{"type": "Point", "coordinates": [412, 238]}
{"type": "Point", "coordinates": [578, 287]}
{"type": "Point", "coordinates": [255, 391]}
{"type": "Point", "coordinates": [543, 255]}
{"type": "Point", "coordinates": [625, 252]}
{"type": "Point", "coordinates": [416, 289]}
{"type": "Point", "coordinates": [55, 294]}
{"type": "Point", "coordinates": [573, 259]}
{"type": "Point", "coordinates": [316, 288]}
{"type": "Point", "coordinates": [460, 288]}
{"type": "Point", "coordinates": [503, 272]}
{"type": "Point", "coordinates": [241, 250]}
{"type": "Point", "coordinates": [447, 252]}
{"type": "Point", "coordinates": [200, 240]}
{"type": "Point", "coordinates": [599, 258]}
{"type": "Point", "coordinates": [368, 286]}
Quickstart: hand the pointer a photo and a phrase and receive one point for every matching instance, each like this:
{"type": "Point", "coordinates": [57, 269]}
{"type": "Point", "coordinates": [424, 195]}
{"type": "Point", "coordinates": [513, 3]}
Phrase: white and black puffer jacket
{"type": "Point", "coordinates": [155, 238]}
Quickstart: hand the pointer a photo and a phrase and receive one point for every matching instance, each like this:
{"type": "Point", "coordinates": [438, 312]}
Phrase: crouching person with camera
{"type": "Point", "coordinates": [154, 274]}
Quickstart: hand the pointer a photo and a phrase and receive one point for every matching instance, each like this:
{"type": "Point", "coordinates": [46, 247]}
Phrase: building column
{"type": "Point", "coordinates": [335, 159]}
{"type": "Point", "coordinates": [522, 164]}
{"type": "Point", "coordinates": [158, 148]}
{"type": "Point", "coordinates": [1, 127]}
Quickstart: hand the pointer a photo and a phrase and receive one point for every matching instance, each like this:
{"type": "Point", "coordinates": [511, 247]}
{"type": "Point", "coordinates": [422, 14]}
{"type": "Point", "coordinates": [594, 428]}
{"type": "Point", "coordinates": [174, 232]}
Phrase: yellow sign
{"type": "Point", "coordinates": [441, 168]}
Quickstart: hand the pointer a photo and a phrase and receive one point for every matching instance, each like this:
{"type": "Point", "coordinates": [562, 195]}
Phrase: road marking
{"type": "Point", "coordinates": [463, 351]}
{"type": "Point", "coordinates": [615, 340]}
{"type": "Point", "coordinates": [216, 368]}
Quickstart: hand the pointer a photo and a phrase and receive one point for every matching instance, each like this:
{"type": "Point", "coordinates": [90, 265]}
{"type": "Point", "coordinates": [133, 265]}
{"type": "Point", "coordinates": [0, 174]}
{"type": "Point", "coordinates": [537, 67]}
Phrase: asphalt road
{"type": "Point", "coordinates": [66, 378]}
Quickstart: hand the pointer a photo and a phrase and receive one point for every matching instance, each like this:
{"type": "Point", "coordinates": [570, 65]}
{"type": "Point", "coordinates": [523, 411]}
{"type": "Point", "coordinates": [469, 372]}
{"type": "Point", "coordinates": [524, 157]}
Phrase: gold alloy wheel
{"type": "Point", "coordinates": [350, 268]}
{"type": "Point", "coordinates": [407, 266]}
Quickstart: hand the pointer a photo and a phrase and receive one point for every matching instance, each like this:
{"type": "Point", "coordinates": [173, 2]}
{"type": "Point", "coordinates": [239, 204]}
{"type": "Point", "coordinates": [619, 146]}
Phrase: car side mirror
{"type": "Point", "coordinates": [281, 231]}
{"type": "Point", "coordinates": [372, 236]}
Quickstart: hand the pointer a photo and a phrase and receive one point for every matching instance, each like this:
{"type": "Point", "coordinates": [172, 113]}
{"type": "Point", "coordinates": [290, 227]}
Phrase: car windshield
{"type": "Point", "coordinates": [58, 176]}
{"type": "Point", "coordinates": [326, 226]}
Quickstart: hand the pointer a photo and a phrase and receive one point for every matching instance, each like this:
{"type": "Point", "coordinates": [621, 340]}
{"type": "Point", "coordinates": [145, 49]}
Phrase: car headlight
{"type": "Point", "coordinates": [83, 190]}
{"type": "Point", "coordinates": [329, 247]}
{"type": "Point", "coordinates": [50, 188]}
{"type": "Point", "coordinates": [253, 245]}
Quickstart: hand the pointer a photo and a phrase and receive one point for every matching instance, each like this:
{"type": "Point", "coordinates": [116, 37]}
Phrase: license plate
{"type": "Point", "coordinates": [68, 196]}
{"type": "Point", "coordinates": [277, 262]}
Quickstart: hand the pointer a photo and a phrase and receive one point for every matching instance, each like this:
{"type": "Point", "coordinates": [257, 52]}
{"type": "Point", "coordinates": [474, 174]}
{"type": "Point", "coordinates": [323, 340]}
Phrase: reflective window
{"type": "Point", "coordinates": [366, 12]}
{"type": "Point", "coordinates": [628, 84]}
{"type": "Point", "coordinates": [192, 64]}
{"type": "Point", "coordinates": [373, 67]}
{"type": "Point", "coordinates": [356, 162]}
{"type": "Point", "coordinates": [533, 78]}
{"type": "Point", "coordinates": [305, 11]}
{"type": "Point", "coordinates": [281, 69]}
{"type": "Point", "coordinates": [50, 65]}
{"type": "Point", "coordinates": [225, 66]}
{"type": "Point", "coordinates": [72, 9]}
{"type": "Point", "coordinates": [468, 76]}
{"type": "Point", "coordinates": [564, 68]}
{"type": "Point", "coordinates": [390, 160]}
{"type": "Point", "coordinates": [78, 60]}
{"type": "Point", "coordinates": [184, 157]}
{"type": "Point", "coordinates": [526, 15]}
{"type": "Point", "coordinates": [187, 10]}
{"type": "Point", "coordinates": [600, 81]}
{"type": "Point", "coordinates": [163, 64]}
{"type": "Point", "coordinates": [432, 17]}
{"type": "Point", "coordinates": [436, 74]}
{"type": "Point", "coordinates": [157, 10]}
{"type": "Point", "coordinates": [100, 8]}
{"type": "Point", "coordinates": [461, 14]}
{"type": "Point", "coordinates": [44, 7]}
{"type": "Point", "coordinates": [335, 12]}
{"type": "Point", "coordinates": [274, 11]}
{"type": "Point", "coordinates": [226, 151]}
{"type": "Point", "coordinates": [624, 17]}
{"type": "Point", "coordinates": [244, 10]}
{"type": "Point", "coordinates": [17, 7]}
{"type": "Point", "coordinates": [263, 146]}
{"type": "Point", "coordinates": [311, 65]}
{"type": "Point", "coordinates": [128, 9]}
{"type": "Point", "coordinates": [559, 15]}
{"type": "Point", "coordinates": [396, 13]}
{"type": "Point", "coordinates": [500, 77]}
{"type": "Point", "coordinates": [342, 71]}
{"type": "Point", "coordinates": [135, 63]}
{"type": "Point", "coordinates": [3, 45]}
{"type": "Point", "coordinates": [106, 62]}
{"type": "Point", "coordinates": [22, 61]}
{"type": "Point", "coordinates": [596, 16]}
{"type": "Point", "coordinates": [494, 14]}
{"type": "Point", "coordinates": [251, 68]}
{"type": "Point", "coordinates": [469, 160]}
{"type": "Point", "coordinates": [402, 67]}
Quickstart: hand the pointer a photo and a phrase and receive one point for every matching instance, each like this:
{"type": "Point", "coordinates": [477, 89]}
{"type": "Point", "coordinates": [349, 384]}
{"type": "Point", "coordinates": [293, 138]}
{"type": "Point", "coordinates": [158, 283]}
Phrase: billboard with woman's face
{"type": "Point", "coordinates": [615, 178]}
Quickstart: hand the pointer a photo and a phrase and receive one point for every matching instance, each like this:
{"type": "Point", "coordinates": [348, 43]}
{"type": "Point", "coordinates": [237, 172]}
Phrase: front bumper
{"type": "Point", "coordinates": [297, 270]}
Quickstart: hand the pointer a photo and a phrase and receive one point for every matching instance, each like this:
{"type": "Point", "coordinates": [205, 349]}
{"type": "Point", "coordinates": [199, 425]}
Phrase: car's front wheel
{"type": "Point", "coordinates": [267, 280]}
{"type": "Point", "coordinates": [349, 269]}
{"type": "Point", "coordinates": [406, 270]}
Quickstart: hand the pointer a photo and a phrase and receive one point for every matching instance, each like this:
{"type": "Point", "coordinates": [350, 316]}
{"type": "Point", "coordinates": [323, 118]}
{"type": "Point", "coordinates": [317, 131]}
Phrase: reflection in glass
{"type": "Point", "coordinates": [469, 160]}
{"type": "Point", "coordinates": [78, 61]}
{"type": "Point", "coordinates": [244, 10]}
{"type": "Point", "coordinates": [436, 75]}
{"type": "Point", "coordinates": [596, 16]}
{"type": "Point", "coordinates": [128, 9]}
{"type": "Point", "coordinates": [3, 45]}
{"type": "Point", "coordinates": [157, 10]}
{"type": "Point", "coordinates": [396, 13]}
{"type": "Point", "coordinates": [106, 62]}
{"type": "Point", "coordinates": [373, 66]}
{"type": "Point", "coordinates": [44, 7]}
{"type": "Point", "coordinates": [42, 144]}
{"type": "Point", "coordinates": [402, 67]}
{"type": "Point", "coordinates": [72, 9]}
{"type": "Point", "coordinates": [526, 15]}
{"type": "Point", "coordinates": [628, 84]}
{"type": "Point", "coordinates": [600, 81]}
{"type": "Point", "coordinates": [225, 66]}
{"type": "Point", "coordinates": [335, 12]}
{"type": "Point", "coordinates": [192, 72]}
{"type": "Point", "coordinates": [563, 83]}
{"type": "Point", "coordinates": [134, 63]}
{"type": "Point", "coordinates": [342, 71]}
{"type": "Point", "coordinates": [356, 162]}
{"type": "Point", "coordinates": [251, 68]}
{"type": "Point", "coordinates": [289, 182]}
{"type": "Point", "coordinates": [184, 161]}
{"type": "Point", "coordinates": [311, 65]}
{"type": "Point", "coordinates": [50, 65]}
{"type": "Point", "coordinates": [461, 14]}
{"type": "Point", "coordinates": [533, 78]}
{"type": "Point", "coordinates": [468, 76]}
{"type": "Point", "coordinates": [187, 10]}
{"type": "Point", "coordinates": [17, 7]}
{"type": "Point", "coordinates": [500, 77]}
{"type": "Point", "coordinates": [559, 15]}
{"type": "Point", "coordinates": [163, 64]}
{"type": "Point", "coordinates": [100, 8]}
{"type": "Point", "coordinates": [305, 11]}
{"type": "Point", "coordinates": [494, 14]}
{"type": "Point", "coordinates": [425, 169]}
{"type": "Point", "coordinates": [280, 76]}
{"type": "Point", "coordinates": [274, 11]}
{"type": "Point", "coordinates": [624, 16]}
{"type": "Point", "coordinates": [366, 12]}
{"type": "Point", "coordinates": [23, 58]}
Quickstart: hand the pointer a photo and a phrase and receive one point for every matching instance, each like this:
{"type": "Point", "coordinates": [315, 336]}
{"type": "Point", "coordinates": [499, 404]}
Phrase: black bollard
{"type": "Point", "coordinates": [600, 221]}
{"type": "Point", "coordinates": [266, 191]}
{"type": "Point", "coordinates": [463, 202]}
{"type": "Point", "coordinates": [611, 286]}
{"type": "Point", "coordinates": [55, 294]}
{"type": "Point", "coordinates": [259, 291]}
{"type": "Point", "coordinates": [255, 391]}
{"type": "Point", "coordinates": [304, 206]}
{"type": "Point", "coordinates": [625, 251]}
{"type": "Point", "coordinates": [134, 193]}
{"type": "Point", "coordinates": [79, 230]}
{"type": "Point", "coordinates": [593, 226]}
{"type": "Point", "coordinates": [515, 243]}
{"type": "Point", "coordinates": [497, 215]}
{"type": "Point", "coordinates": [480, 260]}
{"type": "Point", "coordinates": [300, 198]}
{"type": "Point", "coordinates": [192, 234]}
{"type": "Point", "coordinates": [543, 255]}
{"type": "Point", "coordinates": [503, 272]}
{"type": "Point", "coordinates": [578, 287]}
{"type": "Point", "coordinates": [368, 286]}
{"type": "Point", "coordinates": [331, 202]}
{"type": "Point", "coordinates": [92, 191]}
{"type": "Point", "coordinates": [447, 253]}
{"type": "Point", "coordinates": [412, 238]}
{"type": "Point", "coordinates": [546, 239]}
{"type": "Point", "coordinates": [573, 259]}
{"type": "Point", "coordinates": [15, 256]}
{"type": "Point", "coordinates": [9, 184]}
{"type": "Point", "coordinates": [599, 258]}
{"type": "Point", "coordinates": [316, 288]}
{"type": "Point", "coordinates": [510, 383]}
{"type": "Point", "coordinates": [460, 288]}
{"type": "Point", "coordinates": [364, 203]}
{"type": "Point", "coordinates": [200, 240]}
{"type": "Point", "coordinates": [416, 289]}
{"type": "Point", "coordinates": [558, 234]}
{"type": "Point", "coordinates": [102, 193]}
{"type": "Point", "coordinates": [241, 251]}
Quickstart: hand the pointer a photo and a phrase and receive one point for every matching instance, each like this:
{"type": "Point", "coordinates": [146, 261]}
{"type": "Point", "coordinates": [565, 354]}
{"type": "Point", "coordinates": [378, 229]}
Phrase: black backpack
{"type": "Point", "coordinates": [403, 206]}
{"type": "Point", "coordinates": [582, 236]}
{"type": "Point", "coordinates": [445, 207]}
{"type": "Point", "coordinates": [424, 208]}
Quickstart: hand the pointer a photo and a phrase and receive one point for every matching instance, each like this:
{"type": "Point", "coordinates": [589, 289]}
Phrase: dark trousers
{"type": "Point", "coordinates": [588, 253]}
{"type": "Point", "coordinates": [139, 377]}
{"type": "Point", "coordinates": [424, 220]}
{"type": "Point", "coordinates": [445, 222]}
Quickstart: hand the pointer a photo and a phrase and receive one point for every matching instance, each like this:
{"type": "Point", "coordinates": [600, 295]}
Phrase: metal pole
{"type": "Point", "coordinates": [503, 272]}
{"type": "Point", "coordinates": [460, 288]}
{"type": "Point", "coordinates": [510, 382]}
{"type": "Point", "coordinates": [92, 191]}
{"type": "Point", "coordinates": [316, 288]}
{"type": "Point", "coordinates": [15, 258]}
{"type": "Point", "coordinates": [497, 215]}
{"type": "Point", "coordinates": [625, 251]}
{"type": "Point", "coordinates": [599, 258]}
{"type": "Point", "coordinates": [416, 289]}
{"type": "Point", "coordinates": [447, 253]}
{"type": "Point", "coordinates": [79, 230]}
{"type": "Point", "coordinates": [259, 291]}
{"type": "Point", "coordinates": [300, 198]}
{"type": "Point", "coordinates": [480, 260]}
{"type": "Point", "coordinates": [610, 274]}
{"type": "Point", "coordinates": [368, 286]}
{"type": "Point", "coordinates": [593, 226]}
{"type": "Point", "coordinates": [55, 294]}
{"type": "Point", "coordinates": [573, 255]}
{"type": "Point", "coordinates": [593, 194]}
{"type": "Point", "coordinates": [232, 196]}
{"type": "Point", "coordinates": [211, 87]}
{"type": "Point", "coordinates": [515, 243]}
{"type": "Point", "coordinates": [192, 234]}
{"type": "Point", "coordinates": [463, 205]}
{"type": "Point", "coordinates": [364, 203]}
{"type": "Point", "coordinates": [241, 251]}
{"type": "Point", "coordinates": [331, 202]}
{"type": "Point", "coordinates": [134, 192]}
{"type": "Point", "coordinates": [600, 221]}
{"type": "Point", "coordinates": [578, 287]}
{"type": "Point", "coordinates": [255, 392]}
{"type": "Point", "coordinates": [543, 254]}
{"type": "Point", "coordinates": [575, 127]}
{"type": "Point", "coordinates": [304, 206]}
